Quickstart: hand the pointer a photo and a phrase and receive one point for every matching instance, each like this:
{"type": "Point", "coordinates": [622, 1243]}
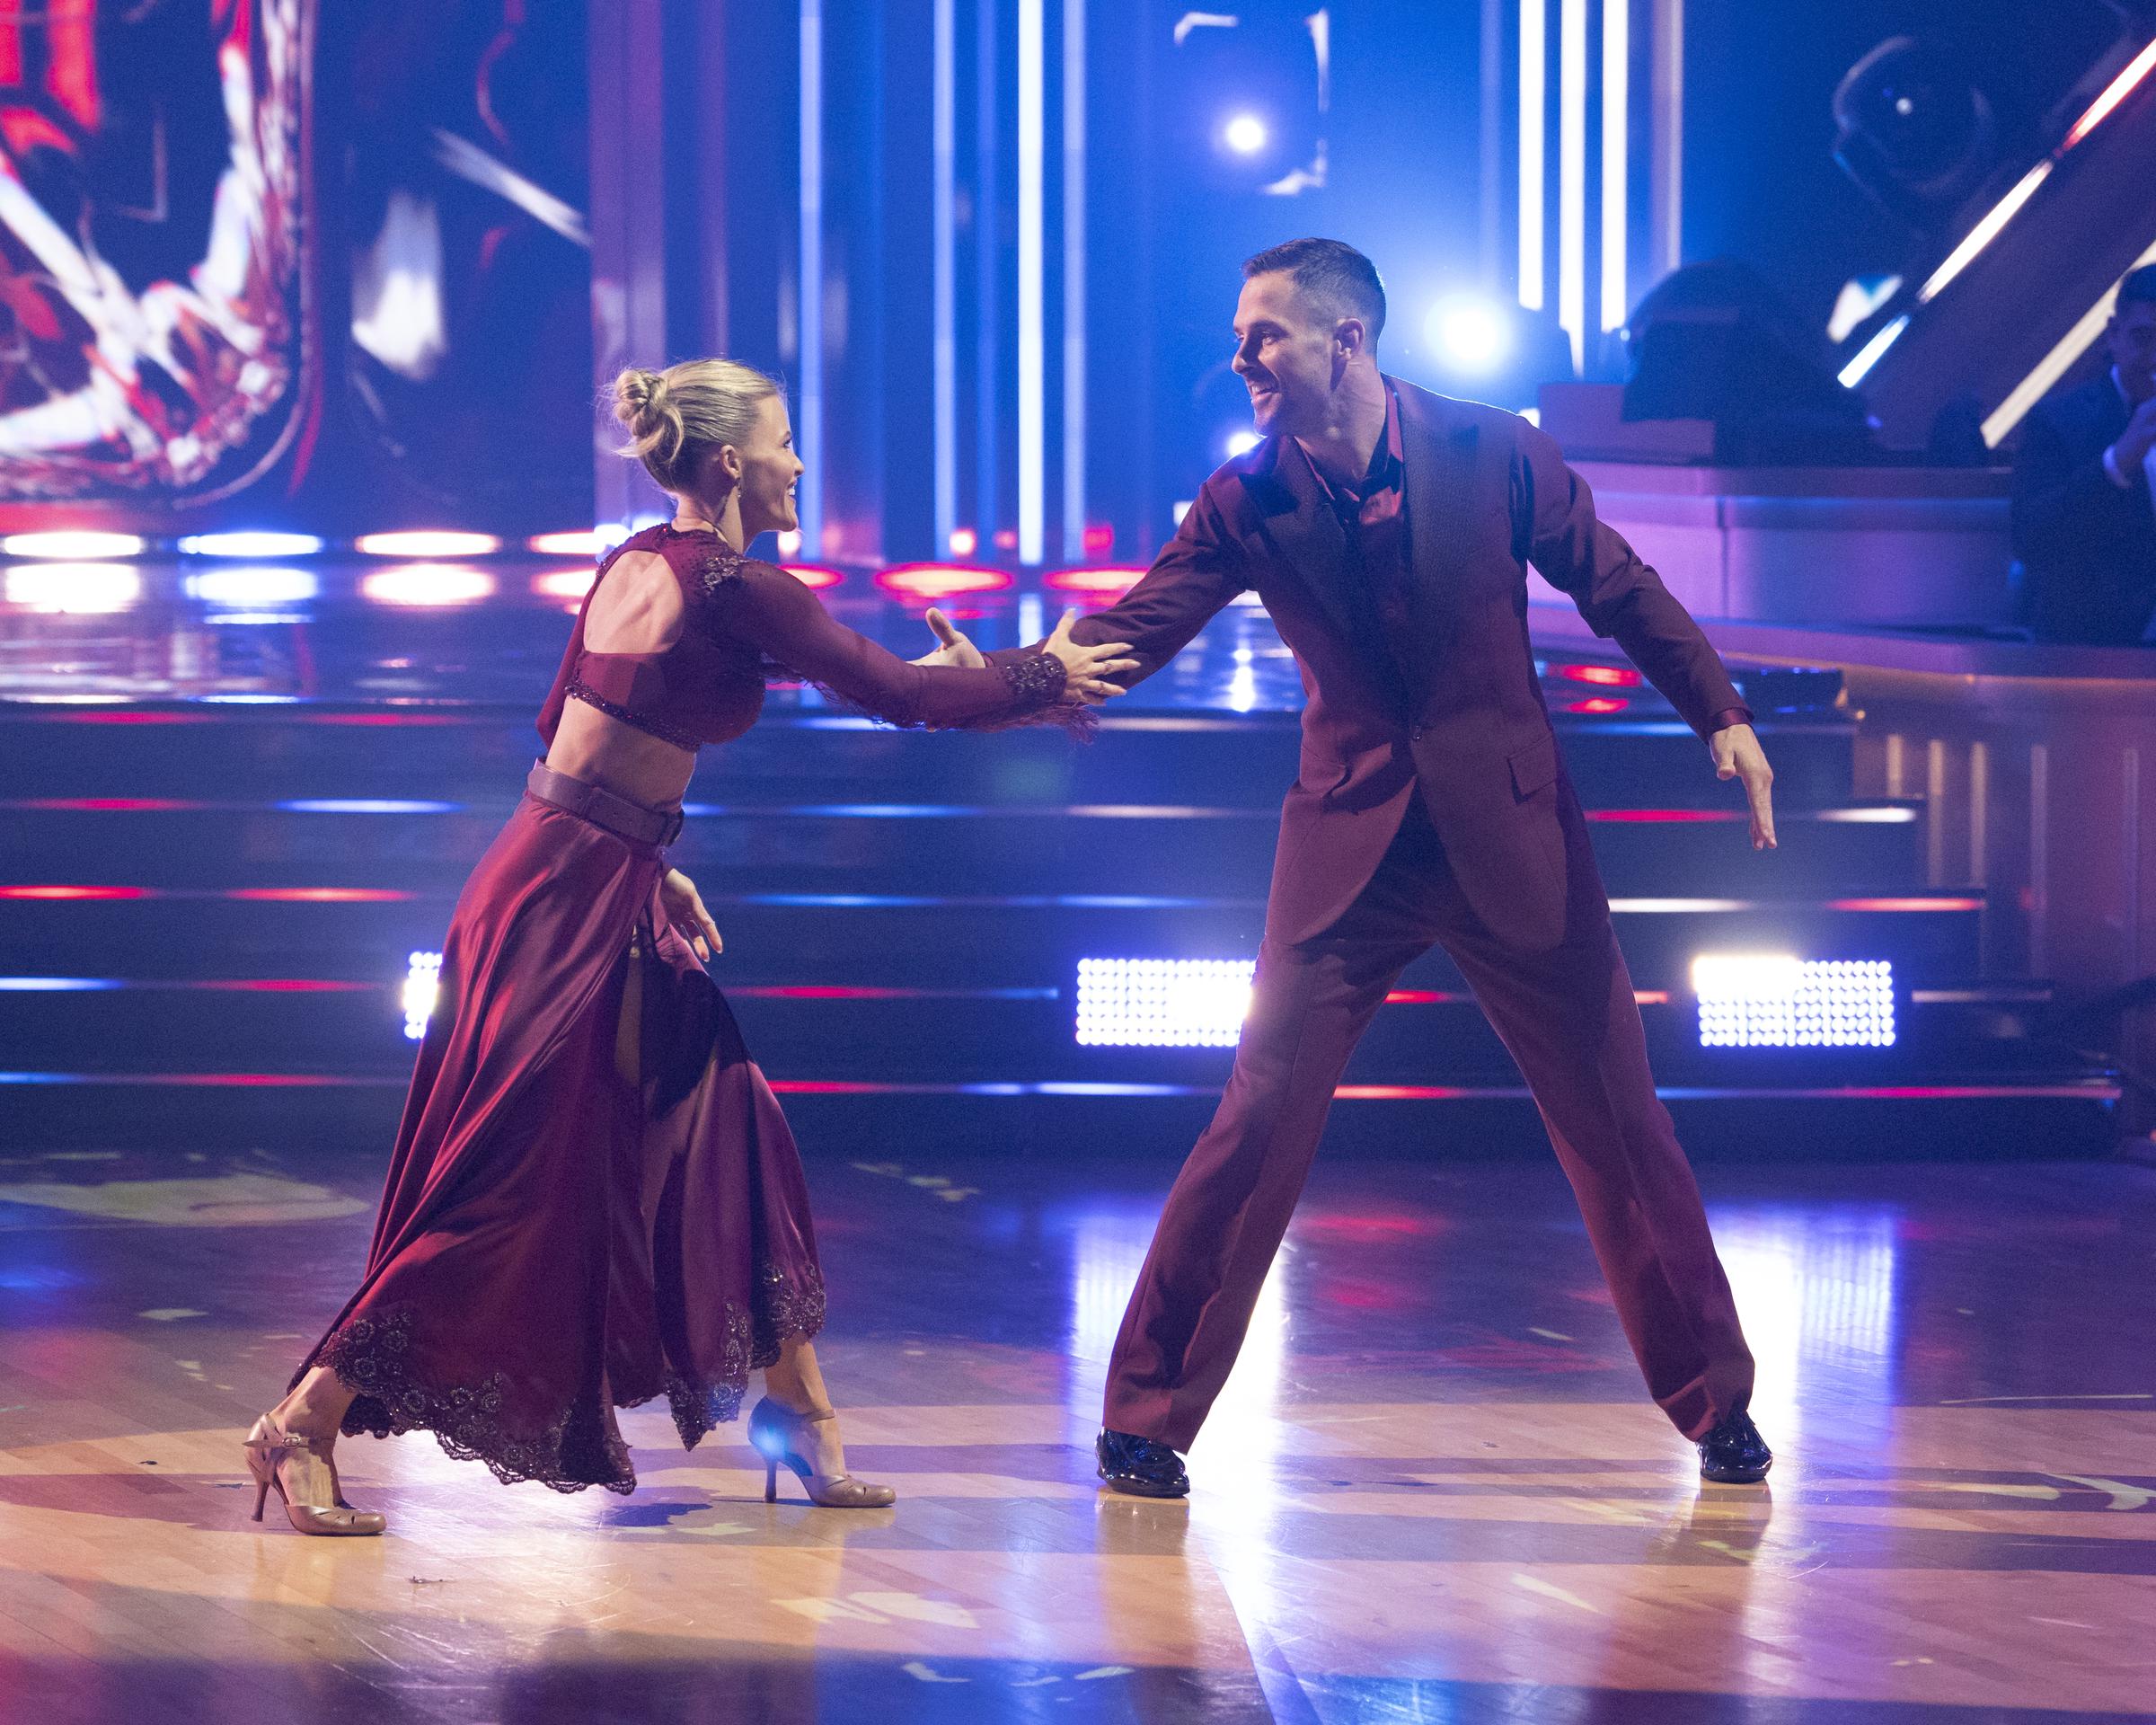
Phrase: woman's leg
{"type": "Point", "coordinates": [316, 1406]}
{"type": "Point", "coordinates": [796, 1383]}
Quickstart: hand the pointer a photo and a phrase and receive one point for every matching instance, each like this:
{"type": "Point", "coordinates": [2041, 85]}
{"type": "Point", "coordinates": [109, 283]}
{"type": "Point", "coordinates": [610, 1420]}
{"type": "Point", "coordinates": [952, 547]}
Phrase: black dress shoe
{"type": "Point", "coordinates": [1734, 1453]}
{"type": "Point", "coordinates": [1140, 1466]}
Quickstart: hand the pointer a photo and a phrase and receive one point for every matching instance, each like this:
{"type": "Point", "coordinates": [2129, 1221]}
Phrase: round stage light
{"type": "Point", "coordinates": [249, 586]}
{"type": "Point", "coordinates": [1470, 335]}
{"type": "Point", "coordinates": [72, 546]}
{"type": "Point", "coordinates": [931, 582]}
{"type": "Point", "coordinates": [421, 585]}
{"type": "Point", "coordinates": [1244, 133]}
{"type": "Point", "coordinates": [72, 589]}
{"type": "Point", "coordinates": [1240, 443]}
{"type": "Point", "coordinates": [813, 574]}
{"type": "Point", "coordinates": [964, 542]}
{"type": "Point", "coordinates": [566, 587]}
{"type": "Point", "coordinates": [585, 542]}
{"type": "Point", "coordinates": [445, 543]}
{"type": "Point", "coordinates": [1102, 584]}
{"type": "Point", "coordinates": [249, 545]}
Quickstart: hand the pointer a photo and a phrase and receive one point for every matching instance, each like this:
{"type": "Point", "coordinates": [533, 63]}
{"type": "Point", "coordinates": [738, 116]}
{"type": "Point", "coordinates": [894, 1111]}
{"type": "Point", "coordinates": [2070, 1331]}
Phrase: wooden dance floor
{"type": "Point", "coordinates": [1433, 1492]}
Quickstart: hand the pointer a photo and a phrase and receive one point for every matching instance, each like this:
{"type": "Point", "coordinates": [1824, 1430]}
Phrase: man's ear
{"type": "Point", "coordinates": [1351, 336]}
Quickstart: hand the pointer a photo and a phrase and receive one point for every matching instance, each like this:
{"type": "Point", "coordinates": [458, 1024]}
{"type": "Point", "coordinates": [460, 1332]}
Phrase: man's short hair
{"type": "Point", "coordinates": [2139, 289]}
{"type": "Point", "coordinates": [1335, 275]}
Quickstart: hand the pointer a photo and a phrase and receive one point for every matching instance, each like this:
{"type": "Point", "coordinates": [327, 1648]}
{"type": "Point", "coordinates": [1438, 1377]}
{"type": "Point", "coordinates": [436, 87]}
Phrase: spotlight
{"type": "Point", "coordinates": [1914, 129]}
{"type": "Point", "coordinates": [422, 985]}
{"type": "Point", "coordinates": [1472, 336]}
{"type": "Point", "coordinates": [964, 542]}
{"type": "Point", "coordinates": [1245, 134]}
{"type": "Point", "coordinates": [1162, 1002]}
{"type": "Point", "coordinates": [1240, 443]}
{"type": "Point", "coordinates": [1773, 1000]}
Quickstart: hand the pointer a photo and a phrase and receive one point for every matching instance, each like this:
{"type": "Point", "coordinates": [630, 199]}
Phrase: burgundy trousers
{"type": "Point", "coordinates": [1567, 1016]}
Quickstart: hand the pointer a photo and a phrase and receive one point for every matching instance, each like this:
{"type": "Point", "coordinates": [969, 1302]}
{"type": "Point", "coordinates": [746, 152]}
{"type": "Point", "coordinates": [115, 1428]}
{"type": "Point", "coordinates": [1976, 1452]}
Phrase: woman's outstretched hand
{"type": "Point", "coordinates": [684, 905]}
{"type": "Point", "coordinates": [1086, 670]}
{"type": "Point", "coordinates": [956, 649]}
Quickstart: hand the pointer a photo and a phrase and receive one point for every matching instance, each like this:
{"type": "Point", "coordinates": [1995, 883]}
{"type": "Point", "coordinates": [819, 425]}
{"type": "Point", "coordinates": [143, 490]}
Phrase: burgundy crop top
{"type": "Point", "coordinates": [743, 620]}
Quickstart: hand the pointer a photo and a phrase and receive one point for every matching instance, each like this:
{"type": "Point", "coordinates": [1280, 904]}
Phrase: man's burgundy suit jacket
{"type": "Point", "coordinates": [1452, 704]}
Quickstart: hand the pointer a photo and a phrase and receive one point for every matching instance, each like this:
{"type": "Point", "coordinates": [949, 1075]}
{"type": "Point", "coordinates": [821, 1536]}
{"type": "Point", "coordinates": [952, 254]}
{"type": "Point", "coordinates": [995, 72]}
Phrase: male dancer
{"type": "Point", "coordinates": [1389, 533]}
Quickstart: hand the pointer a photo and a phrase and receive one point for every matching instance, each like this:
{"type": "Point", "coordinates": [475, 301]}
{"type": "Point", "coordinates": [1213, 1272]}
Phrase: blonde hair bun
{"type": "Point", "coordinates": [673, 416]}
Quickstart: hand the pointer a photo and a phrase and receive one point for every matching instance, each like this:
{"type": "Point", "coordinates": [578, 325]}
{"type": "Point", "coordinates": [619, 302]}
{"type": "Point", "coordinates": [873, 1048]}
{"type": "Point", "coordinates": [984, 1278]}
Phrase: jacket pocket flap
{"type": "Point", "coordinates": [1533, 767]}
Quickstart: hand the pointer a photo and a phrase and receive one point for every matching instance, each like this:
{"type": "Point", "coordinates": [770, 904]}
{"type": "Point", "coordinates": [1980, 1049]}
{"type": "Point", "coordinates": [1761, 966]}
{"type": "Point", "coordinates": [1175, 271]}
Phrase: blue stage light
{"type": "Point", "coordinates": [1244, 133]}
{"type": "Point", "coordinates": [1240, 443]}
{"type": "Point", "coordinates": [249, 545]}
{"type": "Point", "coordinates": [1470, 335]}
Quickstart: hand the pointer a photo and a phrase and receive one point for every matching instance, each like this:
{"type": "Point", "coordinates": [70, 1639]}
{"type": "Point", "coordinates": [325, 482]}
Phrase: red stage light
{"type": "Point", "coordinates": [1657, 817]}
{"type": "Point", "coordinates": [1006, 538]}
{"type": "Point", "coordinates": [1107, 583]}
{"type": "Point", "coordinates": [321, 894]}
{"type": "Point", "coordinates": [1098, 538]}
{"type": "Point", "coordinates": [1613, 676]}
{"type": "Point", "coordinates": [916, 581]}
{"type": "Point", "coordinates": [1598, 703]}
{"type": "Point", "coordinates": [73, 892]}
{"type": "Point", "coordinates": [813, 574]}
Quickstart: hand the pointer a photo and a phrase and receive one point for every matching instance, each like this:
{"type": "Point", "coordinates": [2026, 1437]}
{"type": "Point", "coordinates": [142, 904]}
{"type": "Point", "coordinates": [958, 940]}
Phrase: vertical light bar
{"type": "Point", "coordinates": [1572, 176]}
{"type": "Point", "coordinates": [1032, 383]}
{"type": "Point", "coordinates": [2039, 859]}
{"type": "Point", "coordinates": [1534, 122]}
{"type": "Point", "coordinates": [1073, 281]}
{"type": "Point", "coordinates": [1490, 147]}
{"type": "Point", "coordinates": [1616, 157]}
{"type": "Point", "coordinates": [809, 437]}
{"type": "Point", "coordinates": [943, 125]}
{"type": "Point", "coordinates": [1665, 164]}
{"type": "Point", "coordinates": [2129, 811]}
{"type": "Point", "coordinates": [988, 274]}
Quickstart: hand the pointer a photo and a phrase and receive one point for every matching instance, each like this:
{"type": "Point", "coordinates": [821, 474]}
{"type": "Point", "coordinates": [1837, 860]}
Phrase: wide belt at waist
{"type": "Point", "coordinates": [603, 807]}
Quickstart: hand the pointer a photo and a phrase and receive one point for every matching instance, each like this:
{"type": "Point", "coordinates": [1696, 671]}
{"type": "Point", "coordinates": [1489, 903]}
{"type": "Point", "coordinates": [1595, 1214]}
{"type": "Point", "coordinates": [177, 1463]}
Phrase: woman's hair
{"type": "Point", "coordinates": [675, 415]}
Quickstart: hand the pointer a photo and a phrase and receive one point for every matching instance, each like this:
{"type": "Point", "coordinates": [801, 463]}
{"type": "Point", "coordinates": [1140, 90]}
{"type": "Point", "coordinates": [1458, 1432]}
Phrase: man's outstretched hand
{"type": "Point", "coordinates": [1738, 756]}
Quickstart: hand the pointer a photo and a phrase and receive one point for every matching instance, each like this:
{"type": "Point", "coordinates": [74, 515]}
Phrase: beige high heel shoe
{"type": "Point", "coordinates": [779, 1433]}
{"type": "Point", "coordinates": [313, 1502]}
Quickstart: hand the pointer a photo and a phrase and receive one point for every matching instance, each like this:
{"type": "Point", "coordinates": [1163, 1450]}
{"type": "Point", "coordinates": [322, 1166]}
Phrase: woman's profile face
{"type": "Point", "coordinates": [769, 468]}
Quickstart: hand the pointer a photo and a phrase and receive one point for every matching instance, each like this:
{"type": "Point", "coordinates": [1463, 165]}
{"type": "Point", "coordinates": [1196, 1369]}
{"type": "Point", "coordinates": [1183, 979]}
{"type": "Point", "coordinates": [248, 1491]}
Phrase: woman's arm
{"type": "Point", "coordinates": [775, 613]}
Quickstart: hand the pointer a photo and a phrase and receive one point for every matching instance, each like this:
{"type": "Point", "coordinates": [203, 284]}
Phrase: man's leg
{"type": "Point", "coordinates": [1569, 1019]}
{"type": "Point", "coordinates": [1224, 1219]}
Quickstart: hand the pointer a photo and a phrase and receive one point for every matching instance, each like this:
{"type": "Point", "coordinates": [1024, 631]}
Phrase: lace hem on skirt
{"type": "Point", "coordinates": [580, 1447]}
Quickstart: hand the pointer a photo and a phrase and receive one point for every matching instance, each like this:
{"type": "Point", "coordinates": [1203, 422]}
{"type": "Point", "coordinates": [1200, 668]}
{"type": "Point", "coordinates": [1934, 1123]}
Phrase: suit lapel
{"type": "Point", "coordinates": [1441, 491]}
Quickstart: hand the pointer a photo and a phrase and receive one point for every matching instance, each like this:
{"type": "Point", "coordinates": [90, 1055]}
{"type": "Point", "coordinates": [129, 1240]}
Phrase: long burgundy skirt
{"type": "Point", "coordinates": [555, 1242]}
